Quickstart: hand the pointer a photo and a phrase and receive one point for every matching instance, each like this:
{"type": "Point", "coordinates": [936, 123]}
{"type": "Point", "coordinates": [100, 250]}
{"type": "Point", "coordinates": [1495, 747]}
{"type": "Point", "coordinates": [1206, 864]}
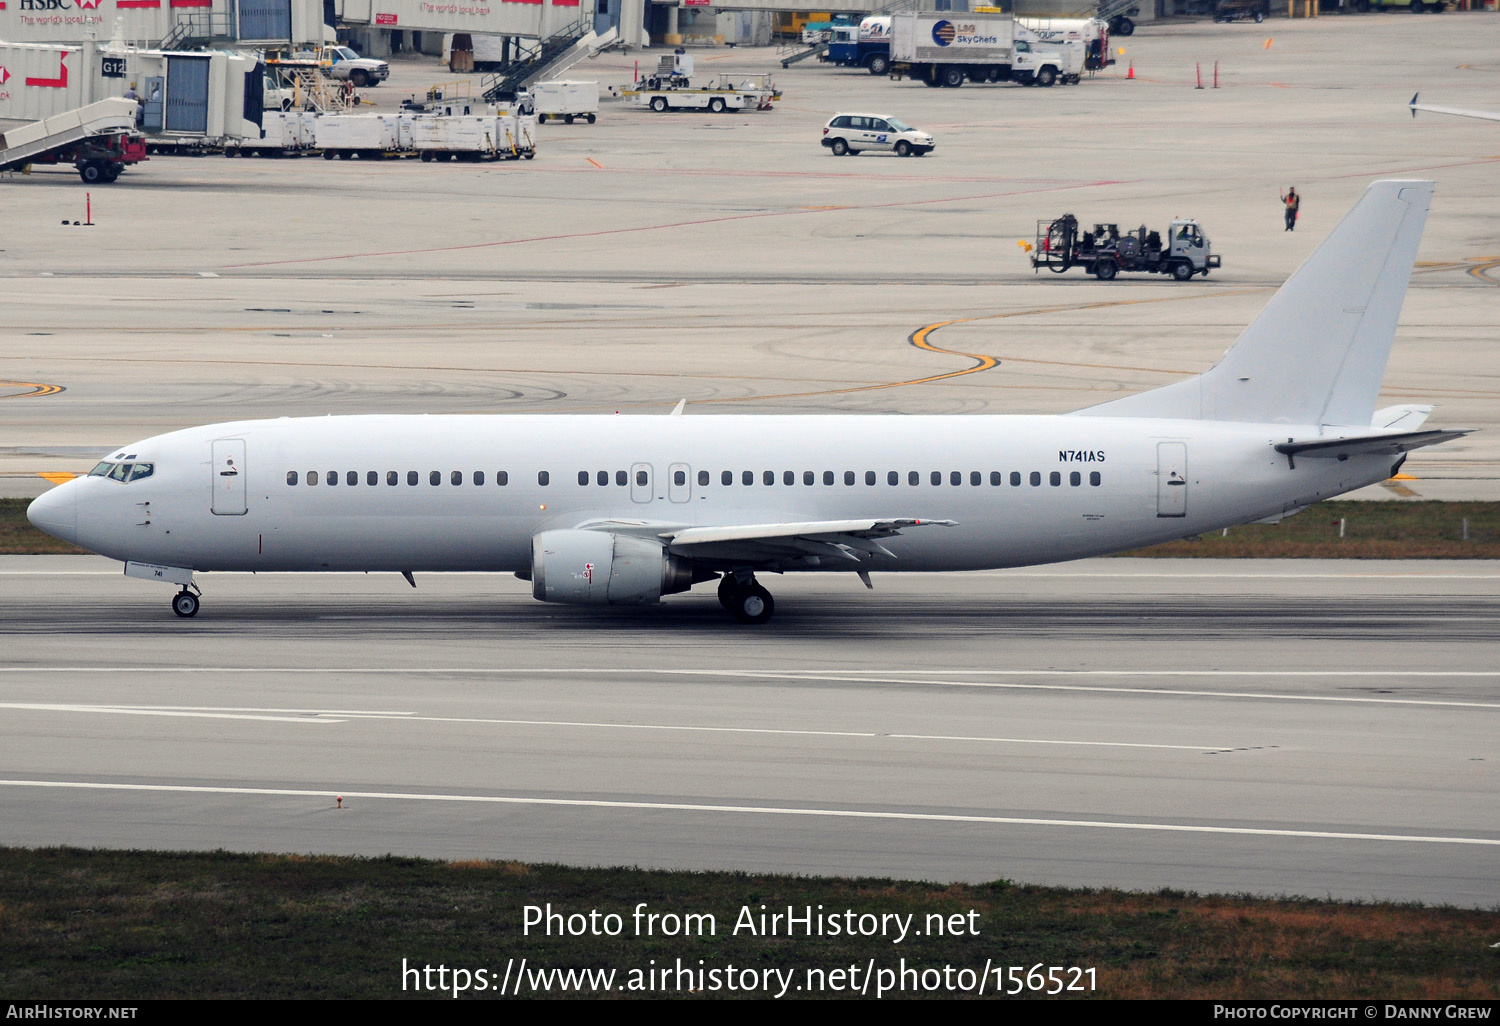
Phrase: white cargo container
{"type": "Point", "coordinates": [566, 100]}
{"type": "Point", "coordinates": [283, 133]}
{"type": "Point", "coordinates": [362, 135]}
{"type": "Point", "coordinates": [149, 22]}
{"type": "Point", "coordinates": [197, 98]}
{"type": "Point", "coordinates": [474, 137]}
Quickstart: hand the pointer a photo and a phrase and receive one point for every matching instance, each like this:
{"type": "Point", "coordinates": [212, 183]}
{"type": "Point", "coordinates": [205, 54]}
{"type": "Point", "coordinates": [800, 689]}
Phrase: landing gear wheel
{"type": "Point", "coordinates": [752, 605]}
{"type": "Point", "coordinates": [185, 603]}
{"type": "Point", "coordinates": [1182, 270]}
{"type": "Point", "coordinates": [716, 105]}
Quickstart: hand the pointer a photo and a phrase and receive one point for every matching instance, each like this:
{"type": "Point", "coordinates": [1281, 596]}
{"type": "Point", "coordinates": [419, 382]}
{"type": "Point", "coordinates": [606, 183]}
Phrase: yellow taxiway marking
{"type": "Point", "coordinates": [919, 339]}
{"type": "Point", "coordinates": [36, 388]}
{"type": "Point", "coordinates": [57, 477]}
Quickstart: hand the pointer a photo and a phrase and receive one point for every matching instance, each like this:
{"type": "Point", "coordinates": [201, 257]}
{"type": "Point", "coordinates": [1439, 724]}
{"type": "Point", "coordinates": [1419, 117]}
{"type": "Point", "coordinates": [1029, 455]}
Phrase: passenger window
{"type": "Point", "coordinates": [726, 478]}
{"type": "Point", "coordinates": [879, 126]}
{"type": "Point", "coordinates": [502, 478]}
{"type": "Point", "coordinates": [869, 477]}
{"type": "Point", "coordinates": [807, 477]}
{"type": "Point", "coordinates": [602, 478]}
{"type": "Point", "coordinates": [642, 478]}
{"type": "Point", "coordinates": [892, 478]}
{"type": "Point", "coordinates": [1036, 478]}
{"type": "Point", "coordinates": [937, 477]}
{"type": "Point", "coordinates": [312, 477]}
{"type": "Point", "coordinates": [995, 478]}
{"type": "Point", "coordinates": [974, 477]}
{"type": "Point", "coordinates": [1055, 478]}
{"type": "Point", "coordinates": [913, 477]}
{"type": "Point", "coordinates": [372, 477]}
{"type": "Point", "coordinates": [679, 478]}
{"type": "Point", "coordinates": [291, 477]}
{"type": "Point", "coordinates": [583, 477]}
{"type": "Point", "coordinates": [479, 477]}
{"type": "Point", "coordinates": [788, 478]}
{"type": "Point", "coordinates": [391, 478]}
{"type": "Point", "coordinates": [435, 477]}
{"type": "Point", "coordinates": [351, 478]}
{"type": "Point", "coordinates": [411, 477]}
{"type": "Point", "coordinates": [956, 477]}
{"type": "Point", "coordinates": [621, 478]}
{"type": "Point", "coordinates": [768, 477]}
{"type": "Point", "coordinates": [747, 477]}
{"type": "Point", "coordinates": [848, 477]}
{"type": "Point", "coordinates": [828, 477]}
{"type": "Point", "coordinates": [332, 477]}
{"type": "Point", "coordinates": [1075, 479]}
{"type": "Point", "coordinates": [1015, 479]}
{"type": "Point", "coordinates": [1094, 478]}
{"type": "Point", "coordinates": [543, 478]}
{"type": "Point", "coordinates": [456, 477]}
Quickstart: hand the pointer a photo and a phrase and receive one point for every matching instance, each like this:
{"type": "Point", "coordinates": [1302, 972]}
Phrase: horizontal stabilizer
{"type": "Point", "coordinates": [1369, 445]}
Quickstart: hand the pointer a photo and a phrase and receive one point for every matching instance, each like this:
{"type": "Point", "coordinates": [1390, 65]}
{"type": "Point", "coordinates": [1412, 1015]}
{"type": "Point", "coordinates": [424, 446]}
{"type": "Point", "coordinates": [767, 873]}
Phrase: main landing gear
{"type": "Point", "coordinates": [185, 602]}
{"type": "Point", "coordinates": [745, 599]}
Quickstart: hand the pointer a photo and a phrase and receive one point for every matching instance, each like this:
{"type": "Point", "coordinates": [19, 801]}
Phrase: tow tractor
{"type": "Point", "coordinates": [670, 87]}
{"type": "Point", "coordinates": [1105, 252]}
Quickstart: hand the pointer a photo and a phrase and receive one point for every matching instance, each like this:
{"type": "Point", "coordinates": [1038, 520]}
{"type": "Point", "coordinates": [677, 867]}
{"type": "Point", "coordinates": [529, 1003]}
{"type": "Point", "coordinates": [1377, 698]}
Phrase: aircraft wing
{"type": "Point", "coordinates": [1390, 443]}
{"type": "Point", "coordinates": [1455, 111]}
{"type": "Point", "coordinates": [851, 541]}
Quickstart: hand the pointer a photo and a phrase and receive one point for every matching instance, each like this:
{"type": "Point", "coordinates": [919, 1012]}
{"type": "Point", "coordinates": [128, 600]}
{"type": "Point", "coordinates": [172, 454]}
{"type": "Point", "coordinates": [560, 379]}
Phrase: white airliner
{"type": "Point", "coordinates": [618, 509]}
{"type": "Point", "coordinates": [1459, 112]}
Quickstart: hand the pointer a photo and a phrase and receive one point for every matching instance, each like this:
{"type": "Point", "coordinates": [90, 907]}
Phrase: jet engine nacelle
{"type": "Point", "coordinates": [597, 566]}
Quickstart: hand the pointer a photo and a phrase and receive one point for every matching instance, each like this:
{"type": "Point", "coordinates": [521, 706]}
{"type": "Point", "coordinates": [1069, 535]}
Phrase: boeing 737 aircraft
{"type": "Point", "coordinates": [627, 509]}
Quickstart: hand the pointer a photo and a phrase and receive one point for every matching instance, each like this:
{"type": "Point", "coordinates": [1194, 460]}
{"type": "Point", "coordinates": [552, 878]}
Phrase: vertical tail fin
{"type": "Point", "coordinates": [1317, 352]}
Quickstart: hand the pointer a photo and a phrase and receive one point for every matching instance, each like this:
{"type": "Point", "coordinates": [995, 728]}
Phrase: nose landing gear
{"type": "Point", "coordinates": [745, 599]}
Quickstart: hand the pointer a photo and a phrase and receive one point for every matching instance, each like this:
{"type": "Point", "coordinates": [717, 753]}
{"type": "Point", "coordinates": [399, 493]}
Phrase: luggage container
{"type": "Point", "coordinates": [369, 136]}
{"type": "Point", "coordinates": [474, 137]}
{"type": "Point", "coordinates": [565, 100]}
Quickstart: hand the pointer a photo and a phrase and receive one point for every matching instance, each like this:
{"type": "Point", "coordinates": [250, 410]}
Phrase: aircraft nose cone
{"type": "Point", "coordinates": [56, 512]}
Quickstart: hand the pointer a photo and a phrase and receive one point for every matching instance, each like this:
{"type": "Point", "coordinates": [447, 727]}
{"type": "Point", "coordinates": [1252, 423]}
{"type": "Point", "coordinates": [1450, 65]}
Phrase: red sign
{"type": "Point", "coordinates": [137, 3]}
{"type": "Point", "coordinates": [4, 75]}
{"type": "Point", "coordinates": [192, 3]}
{"type": "Point", "coordinates": [385, 19]}
{"type": "Point", "coordinates": [697, 3]}
{"type": "Point", "coordinates": [60, 82]}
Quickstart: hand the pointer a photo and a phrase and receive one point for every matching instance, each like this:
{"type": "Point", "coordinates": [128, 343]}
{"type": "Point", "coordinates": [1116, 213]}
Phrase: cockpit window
{"type": "Point", "coordinates": [102, 469]}
{"type": "Point", "coordinates": [142, 470]}
{"type": "Point", "coordinates": [120, 472]}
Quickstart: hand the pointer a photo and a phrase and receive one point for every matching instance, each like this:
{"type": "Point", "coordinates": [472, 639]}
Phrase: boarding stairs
{"type": "Point", "coordinates": [546, 59]}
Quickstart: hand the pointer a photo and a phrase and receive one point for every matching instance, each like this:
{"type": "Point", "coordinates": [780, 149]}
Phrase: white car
{"type": "Point", "coordinates": [854, 133]}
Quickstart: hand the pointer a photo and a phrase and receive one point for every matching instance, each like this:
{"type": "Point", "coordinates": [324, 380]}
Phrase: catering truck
{"type": "Point", "coordinates": [866, 46]}
{"type": "Point", "coordinates": [950, 48]}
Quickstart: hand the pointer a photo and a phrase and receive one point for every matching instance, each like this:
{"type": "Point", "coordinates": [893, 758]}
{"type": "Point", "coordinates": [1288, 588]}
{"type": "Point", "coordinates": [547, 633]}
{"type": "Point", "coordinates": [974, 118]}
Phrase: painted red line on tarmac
{"type": "Point", "coordinates": [594, 162]}
{"type": "Point", "coordinates": [654, 227]}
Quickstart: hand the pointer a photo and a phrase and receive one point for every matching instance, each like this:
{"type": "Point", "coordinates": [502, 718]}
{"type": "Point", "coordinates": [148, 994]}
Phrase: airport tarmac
{"type": "Point", "coordinates": [1318, 728]}
{"type": "Point", "coordinates": [1305, 728]}
{"type": "Point", "coordinates": [730, 260]}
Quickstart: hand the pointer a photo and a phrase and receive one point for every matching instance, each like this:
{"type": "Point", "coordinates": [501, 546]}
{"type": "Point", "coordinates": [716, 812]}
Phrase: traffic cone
{"type": "Point", "coordinates": [1131, 72]}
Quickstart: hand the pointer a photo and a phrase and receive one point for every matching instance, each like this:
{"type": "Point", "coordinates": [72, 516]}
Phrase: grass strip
{"type": "Point", "coordinates": [83, 924]}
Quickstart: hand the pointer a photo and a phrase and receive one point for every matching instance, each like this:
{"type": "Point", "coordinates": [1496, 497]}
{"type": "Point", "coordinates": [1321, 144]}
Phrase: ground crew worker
{"type": "Point", "coordinates": [1293, 202]}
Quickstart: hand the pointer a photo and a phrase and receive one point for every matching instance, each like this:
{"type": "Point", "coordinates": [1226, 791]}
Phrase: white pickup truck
{"type": "Point", "coordinates": [343, 63]}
